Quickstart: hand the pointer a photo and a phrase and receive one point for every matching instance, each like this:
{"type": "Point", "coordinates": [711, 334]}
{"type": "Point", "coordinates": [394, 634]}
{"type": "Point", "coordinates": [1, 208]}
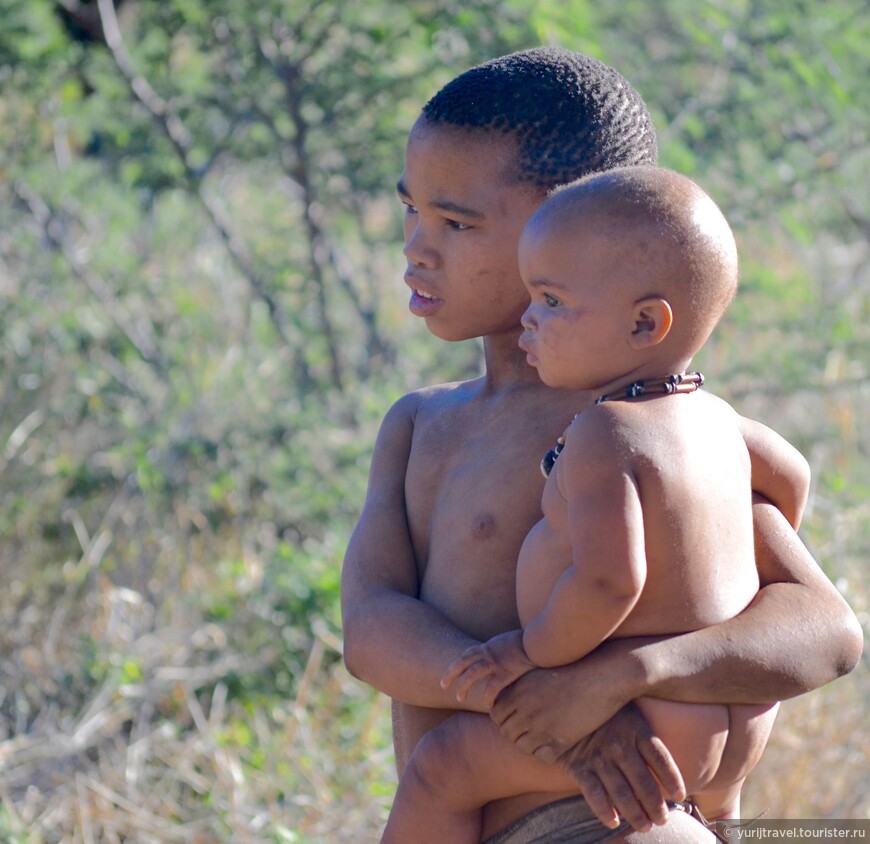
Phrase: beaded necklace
{"type": "Point", "coordinates": [685, 382]}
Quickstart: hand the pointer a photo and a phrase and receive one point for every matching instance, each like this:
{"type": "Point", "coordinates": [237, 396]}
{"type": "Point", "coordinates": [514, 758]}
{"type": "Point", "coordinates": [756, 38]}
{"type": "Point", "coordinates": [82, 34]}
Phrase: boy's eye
{"type": "Point", "coordinates": [457, 226]}
{"type": "Point", "coordinates": [410, 209]}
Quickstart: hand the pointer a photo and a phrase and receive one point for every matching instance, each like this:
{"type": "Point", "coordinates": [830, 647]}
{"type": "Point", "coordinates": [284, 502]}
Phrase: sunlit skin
{"type": "Point", "coordinates": [454, 487]}
{"type": "Point", "coordinates": [632, 533]}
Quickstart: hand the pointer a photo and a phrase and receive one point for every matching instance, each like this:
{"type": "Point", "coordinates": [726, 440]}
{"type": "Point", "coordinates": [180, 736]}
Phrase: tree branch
{"type": "Point", "coordinates": [181, 141]}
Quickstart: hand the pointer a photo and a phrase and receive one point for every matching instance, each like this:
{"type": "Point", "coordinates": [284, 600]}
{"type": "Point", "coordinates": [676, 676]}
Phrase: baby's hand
{"type": "Point", "coordinates": [497, 663]}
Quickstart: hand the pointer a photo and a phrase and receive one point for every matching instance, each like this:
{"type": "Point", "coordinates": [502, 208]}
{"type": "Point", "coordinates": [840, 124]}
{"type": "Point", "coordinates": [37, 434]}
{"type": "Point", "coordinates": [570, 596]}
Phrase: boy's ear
{"type": "Point", "coordinates": [652, 318]}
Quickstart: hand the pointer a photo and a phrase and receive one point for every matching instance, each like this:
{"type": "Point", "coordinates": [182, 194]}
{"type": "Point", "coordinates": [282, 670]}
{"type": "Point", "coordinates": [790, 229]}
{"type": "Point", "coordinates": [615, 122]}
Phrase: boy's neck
{"type": "Point", "coordinates": [506, 364]}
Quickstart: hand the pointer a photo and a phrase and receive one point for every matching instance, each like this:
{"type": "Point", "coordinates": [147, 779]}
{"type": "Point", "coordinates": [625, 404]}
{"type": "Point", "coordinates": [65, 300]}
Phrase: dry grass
{"type": "Point", "coordinates": [818, 762]}
{"type": "Point", "coordinates": [161, 751]}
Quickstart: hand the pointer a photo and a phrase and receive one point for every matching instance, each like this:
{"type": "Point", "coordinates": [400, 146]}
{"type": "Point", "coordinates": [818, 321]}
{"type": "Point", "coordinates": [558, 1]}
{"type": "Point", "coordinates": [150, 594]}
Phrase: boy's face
{"type": "Point", "coordinates": [579, 323]}
{"type": "Point", "coordinates": [463, 218]}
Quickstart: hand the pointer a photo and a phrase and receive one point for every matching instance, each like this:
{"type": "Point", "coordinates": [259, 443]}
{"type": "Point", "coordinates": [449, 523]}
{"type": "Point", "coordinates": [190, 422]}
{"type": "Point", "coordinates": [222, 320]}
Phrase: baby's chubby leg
{"type": "Point", "coordinates": [750, 728]}
{"type": "Point", "coordinates": [715, 747]}
{"type": "Point", "coordinates": [454, 771]}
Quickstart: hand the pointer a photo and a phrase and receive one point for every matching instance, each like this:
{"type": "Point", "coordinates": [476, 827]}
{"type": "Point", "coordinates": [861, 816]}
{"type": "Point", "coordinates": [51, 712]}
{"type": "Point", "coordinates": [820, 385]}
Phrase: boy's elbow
{"type": "Point", "coordinates": [851, 642]}
{"type": "Point", "coordinates": [839, 643]}
{"type": "Point", "coordinates": [353, 664]}
{"type": "Point", "coordinates": [354, 651]}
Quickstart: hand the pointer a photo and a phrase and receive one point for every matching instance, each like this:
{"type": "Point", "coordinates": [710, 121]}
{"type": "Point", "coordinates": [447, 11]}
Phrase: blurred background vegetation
{"type": "Point", "coordinates": [202, 322]}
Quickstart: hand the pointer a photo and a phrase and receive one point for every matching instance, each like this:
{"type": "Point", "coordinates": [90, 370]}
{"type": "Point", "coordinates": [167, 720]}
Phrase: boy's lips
{"type": "Point", "coordinates": [422, 303]}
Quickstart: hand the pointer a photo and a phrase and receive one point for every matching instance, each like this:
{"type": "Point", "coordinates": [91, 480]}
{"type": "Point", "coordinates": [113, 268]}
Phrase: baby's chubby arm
{"type": "Point", "coordinates": [605, 528]}
{"type": "Point", "coordinates": [780, 472]}
{"type": "Point", "coordinates": [392, 640]}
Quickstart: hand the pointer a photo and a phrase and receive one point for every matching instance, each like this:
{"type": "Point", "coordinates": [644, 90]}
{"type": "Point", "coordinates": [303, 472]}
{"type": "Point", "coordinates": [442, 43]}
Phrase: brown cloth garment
{"type": "Point", "coordinates": [569, 821]}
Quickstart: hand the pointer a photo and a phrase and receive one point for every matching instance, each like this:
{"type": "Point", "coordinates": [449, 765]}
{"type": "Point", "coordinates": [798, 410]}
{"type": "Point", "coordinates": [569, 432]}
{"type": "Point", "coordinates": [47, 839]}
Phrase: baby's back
{"type": "Point", "coordinates": [692, 472]}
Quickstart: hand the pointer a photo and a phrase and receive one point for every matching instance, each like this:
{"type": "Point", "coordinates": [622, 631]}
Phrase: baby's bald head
{"type": "Point", "coordinates": [668, 239]}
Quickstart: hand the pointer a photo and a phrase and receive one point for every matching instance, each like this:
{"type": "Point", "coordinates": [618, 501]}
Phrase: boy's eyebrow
{"type": "Point", "coordinates": [445, 204]}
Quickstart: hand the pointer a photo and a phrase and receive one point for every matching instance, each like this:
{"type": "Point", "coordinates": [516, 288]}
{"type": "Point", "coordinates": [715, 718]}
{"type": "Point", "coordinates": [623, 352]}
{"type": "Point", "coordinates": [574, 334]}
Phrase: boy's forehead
{"type": "Point", "coordinates": [456, 161]}
{"type": "Point", "coordinates": [475, 150]}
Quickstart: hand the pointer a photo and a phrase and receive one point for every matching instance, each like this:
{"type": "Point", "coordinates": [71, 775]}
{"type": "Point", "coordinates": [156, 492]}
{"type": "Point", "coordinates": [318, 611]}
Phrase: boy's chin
{"type": "Point", "coordinates": [449, 333]}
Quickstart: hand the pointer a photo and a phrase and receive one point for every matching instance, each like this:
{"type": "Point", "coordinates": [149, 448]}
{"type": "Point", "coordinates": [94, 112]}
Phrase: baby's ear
{"type": "Point", "coordinates": [652, 318]}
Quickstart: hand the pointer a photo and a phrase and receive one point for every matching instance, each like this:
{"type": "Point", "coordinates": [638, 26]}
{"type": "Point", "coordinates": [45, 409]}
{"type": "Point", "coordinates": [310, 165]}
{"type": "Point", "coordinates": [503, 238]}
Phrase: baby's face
{"type": "Point", "coordinates": [578, 325]}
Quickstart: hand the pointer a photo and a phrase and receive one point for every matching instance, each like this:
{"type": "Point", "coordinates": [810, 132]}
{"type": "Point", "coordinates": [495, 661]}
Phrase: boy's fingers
{"type": "Point", "coordinates": [596, 796]}
{"type": "Point", "coordinates": [618, 795]}
{"type": "Point", "coordinates": [645, 793]}
{"type": "Point", "coordinates": [660, 762]}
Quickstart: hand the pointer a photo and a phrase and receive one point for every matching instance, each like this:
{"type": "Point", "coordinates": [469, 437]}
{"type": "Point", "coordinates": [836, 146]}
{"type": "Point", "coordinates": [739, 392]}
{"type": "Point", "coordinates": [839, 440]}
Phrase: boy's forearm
{"type": "Point", "coordinates": [797, 635]}
{"type": "Point", "coordinates": [745, 661]}
{"type": "Point", "coordinates": [402, 646]}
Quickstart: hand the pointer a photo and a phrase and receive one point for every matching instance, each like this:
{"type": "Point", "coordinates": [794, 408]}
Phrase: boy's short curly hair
{"type": "Point", "coordinates": [570, 114]}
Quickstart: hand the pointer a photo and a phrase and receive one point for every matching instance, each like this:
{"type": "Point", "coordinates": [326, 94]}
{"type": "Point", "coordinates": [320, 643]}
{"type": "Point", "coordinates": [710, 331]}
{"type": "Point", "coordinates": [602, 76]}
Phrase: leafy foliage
{"type": "Point", "coordinates": [201, 325]}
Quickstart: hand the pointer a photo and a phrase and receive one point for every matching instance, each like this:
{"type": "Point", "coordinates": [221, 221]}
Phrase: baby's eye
{"type": "Point", "coordinates": [550, 301]}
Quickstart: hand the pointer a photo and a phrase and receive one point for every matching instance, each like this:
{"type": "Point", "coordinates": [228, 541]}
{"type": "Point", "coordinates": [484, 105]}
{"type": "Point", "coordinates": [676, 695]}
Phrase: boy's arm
{"type": "Point", "coordinates": [779, 471]}
{"type": "Point", "coordinates": [393, 641]}
{"type": "Point", "coordinates": [796, 635]}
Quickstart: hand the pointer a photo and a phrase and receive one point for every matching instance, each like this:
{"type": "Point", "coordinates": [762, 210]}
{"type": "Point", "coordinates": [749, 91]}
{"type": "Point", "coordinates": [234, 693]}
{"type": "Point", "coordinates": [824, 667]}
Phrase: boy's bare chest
{"type": "Point", "coordinates": [473, 491]}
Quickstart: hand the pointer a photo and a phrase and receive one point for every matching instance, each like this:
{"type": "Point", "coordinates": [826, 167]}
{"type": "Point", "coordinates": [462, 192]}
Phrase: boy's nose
{"type": "Point", "coordinates": [416, 250]}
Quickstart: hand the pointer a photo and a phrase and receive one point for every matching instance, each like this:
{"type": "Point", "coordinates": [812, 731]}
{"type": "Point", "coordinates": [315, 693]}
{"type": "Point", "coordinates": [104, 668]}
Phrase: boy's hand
{"type": "Point", "coordinates": [607, 747]}
{"type": "Point", "coordinates": [548, 711]}
{"type": "Point", "coordinates": [624, 769]}
{"type": "Point", "coordinates": [496, 663]}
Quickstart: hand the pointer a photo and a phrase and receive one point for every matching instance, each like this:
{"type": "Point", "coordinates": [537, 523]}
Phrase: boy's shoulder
{"type": "Point", "coordinates": [435, 399]}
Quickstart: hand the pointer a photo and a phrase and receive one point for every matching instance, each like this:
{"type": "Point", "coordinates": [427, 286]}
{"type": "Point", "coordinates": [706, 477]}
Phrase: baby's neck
{"type": "Point", "coordinates": [667, 385]}
{"type": "Point", "coordinates": [648, 372]}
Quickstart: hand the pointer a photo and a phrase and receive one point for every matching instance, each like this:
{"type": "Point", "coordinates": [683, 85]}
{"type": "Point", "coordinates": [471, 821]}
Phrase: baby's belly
{"type": "Point", "coordinates": [694, 733]}
{"type": "Point", "coordinates": [543, 559]}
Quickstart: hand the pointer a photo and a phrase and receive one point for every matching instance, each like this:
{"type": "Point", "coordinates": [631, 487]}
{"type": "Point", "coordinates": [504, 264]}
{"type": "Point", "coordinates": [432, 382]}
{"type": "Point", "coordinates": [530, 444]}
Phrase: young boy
{"type": "Point", "coordinates": [628, 273]}
{"type": "Point", "coordinates": [454, 485]}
